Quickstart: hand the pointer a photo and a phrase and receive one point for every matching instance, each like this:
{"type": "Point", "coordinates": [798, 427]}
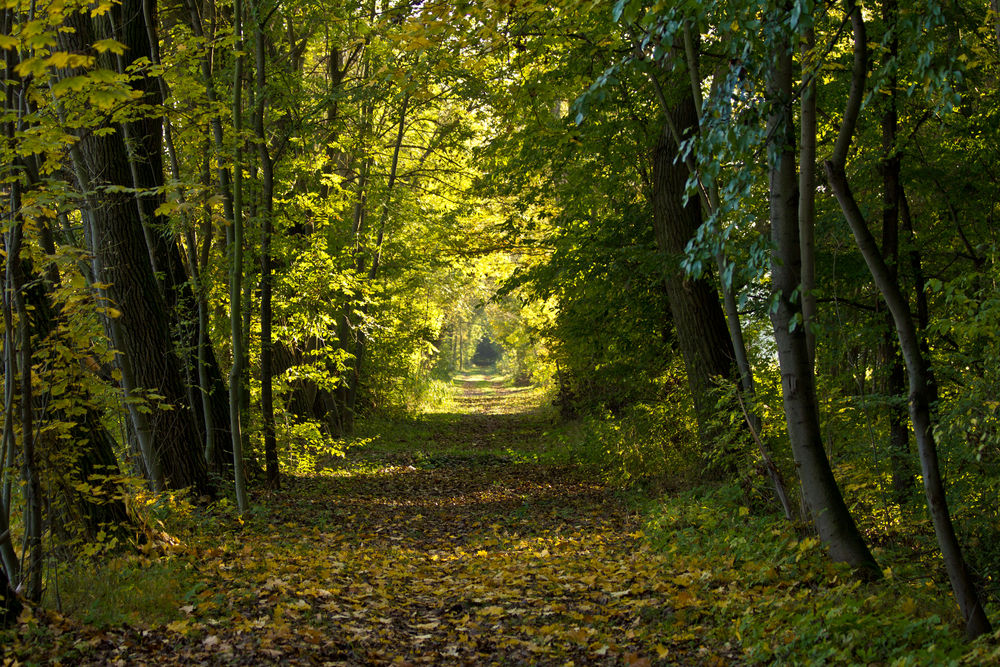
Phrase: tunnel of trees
{"type": "Point", "coordinates": [761, 233]}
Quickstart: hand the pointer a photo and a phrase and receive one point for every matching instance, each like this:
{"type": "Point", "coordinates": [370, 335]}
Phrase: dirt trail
{"type": "Point", "coordinates": [451, 547]}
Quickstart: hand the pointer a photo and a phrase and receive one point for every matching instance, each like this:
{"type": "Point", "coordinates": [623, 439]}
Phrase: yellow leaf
{"type": "Point", "coordinates": [112, 45]}
{"type": "Point", "coordinates": [30, 67]}
{"type": "Point", "coordinates": [180, 627]}
{"type": "Point", "coordinates": [166, 208]}
{"type": "Point", "coordinates": [427, 626]}
{"type": "Point", "coordinates": [59, 59]}
{"type": "Point", "coordinates": [8, 42]}
{"type": "Point", "coordinates": [75, 83]}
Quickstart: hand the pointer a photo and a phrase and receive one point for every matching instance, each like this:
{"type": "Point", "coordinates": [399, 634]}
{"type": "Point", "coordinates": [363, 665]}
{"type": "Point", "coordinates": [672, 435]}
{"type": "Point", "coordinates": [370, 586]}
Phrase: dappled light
{"type": "Point", "coordinates": [392, 332]}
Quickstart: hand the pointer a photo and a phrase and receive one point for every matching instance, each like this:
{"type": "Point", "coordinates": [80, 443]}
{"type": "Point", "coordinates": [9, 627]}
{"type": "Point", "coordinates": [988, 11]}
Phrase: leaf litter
{"type": "Point", "coordinates": [451, 553]}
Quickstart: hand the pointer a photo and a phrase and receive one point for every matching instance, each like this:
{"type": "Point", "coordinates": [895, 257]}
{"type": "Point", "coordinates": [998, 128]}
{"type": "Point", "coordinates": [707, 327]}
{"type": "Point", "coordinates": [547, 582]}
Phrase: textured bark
{"type": "Point", "coordinates": [700, 324]}
{"type": "Point", "coordinates": [822, 496]}
{"type": "Point", "coordinates": [121, 256]}
{"type": "Point", "coordinates": [145, 135]}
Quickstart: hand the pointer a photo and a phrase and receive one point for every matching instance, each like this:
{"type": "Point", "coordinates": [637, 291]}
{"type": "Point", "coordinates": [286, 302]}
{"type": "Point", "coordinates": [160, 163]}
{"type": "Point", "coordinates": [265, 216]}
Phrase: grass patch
{"type": "Point", "coordinates": [122, 590]}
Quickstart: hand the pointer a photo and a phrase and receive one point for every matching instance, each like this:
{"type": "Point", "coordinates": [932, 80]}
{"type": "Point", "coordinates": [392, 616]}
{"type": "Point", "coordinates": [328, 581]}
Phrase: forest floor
{"type": "Point", "coordinates": [447, 538]}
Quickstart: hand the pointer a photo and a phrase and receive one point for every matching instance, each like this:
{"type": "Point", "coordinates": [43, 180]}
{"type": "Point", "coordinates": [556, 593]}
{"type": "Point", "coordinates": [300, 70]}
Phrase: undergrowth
{"type": "Point", "coordinates": [774, 589]}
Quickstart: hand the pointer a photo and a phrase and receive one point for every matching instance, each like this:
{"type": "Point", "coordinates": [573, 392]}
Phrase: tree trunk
{"type": "Point", "coordinates": [267, 218]}
{"type": "Point", "coordinates": [31, 559]}
{"type": "Point", "coordinates": [807, 196]}
{"type": "Point", "coordinates": [142, 327]}
{"type": "Point", "coordinates": [909, 342]}
{"type": "Point", "coordinates": [822, 496]}
{"type": "Point", "coordinates": [138, 33]}
{"type": "Point", "coordinates": [701, 327]}
{"type": "Point", "coordinates": [236, 271]}
{"type": "Point", "coordinates": [893, 385]}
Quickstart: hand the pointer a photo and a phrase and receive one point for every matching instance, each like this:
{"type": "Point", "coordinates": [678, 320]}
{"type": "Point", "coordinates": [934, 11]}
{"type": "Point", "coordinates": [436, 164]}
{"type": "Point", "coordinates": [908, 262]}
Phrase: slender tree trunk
{"type": "Point", "coordinates": [92, 449]}
{"type": "Point", "coordinates": [822, 496]}
{"type": "Point", "coordinates": [723, 265]}
{"type": "Point", "coordinates": [909, 341]}
{"type": "Point", "coordinates": [11, 562]}
{"type": "Point", "coordinates": [31, 560]}
{"type": "Point", "coordinates": [236, 270]}
{"type": "Point", "coordinates": [807, 195]}
{"type": "Point", "coordinates": [267, 218]}
{"type": "Point", "coordinates": [894, 381]}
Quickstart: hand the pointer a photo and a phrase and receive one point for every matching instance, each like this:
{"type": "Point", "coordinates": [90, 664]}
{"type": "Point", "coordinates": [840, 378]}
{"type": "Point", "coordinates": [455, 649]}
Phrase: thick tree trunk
{"type": "Point", "coordinates": [138, 36]}
{"type": "Point", "coordinates": [822, 496]}
{"type": "Point", "coordinates": [701, 327]}
{"type": "Point", "coordinates": [142, 327]}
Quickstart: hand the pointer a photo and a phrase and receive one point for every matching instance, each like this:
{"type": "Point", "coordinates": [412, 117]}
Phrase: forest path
{"type": "Point", "coordinates": [443, 541]}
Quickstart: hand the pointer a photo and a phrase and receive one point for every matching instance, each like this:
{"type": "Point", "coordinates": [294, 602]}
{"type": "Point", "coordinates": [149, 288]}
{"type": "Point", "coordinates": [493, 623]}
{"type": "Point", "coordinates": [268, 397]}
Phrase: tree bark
{"type": "Point", "coordinates": [701, 327]}
{"type": "Point", "coordinates": [137, 31]}
{"type": "Point", "coordinates": [31, 559]}
{"type": "Point", "coordinates": [236, 272]}
{"type": "Point", "coordinates": [122, 258]}
{"type": "Point", "coordinates": [894, 380]}
{"type": "Point", "coordinates": [267, 219]}
{"type": "Point", "coordinates": [822, 496]}
{"type": "Point", "coordinates": [807, 197]}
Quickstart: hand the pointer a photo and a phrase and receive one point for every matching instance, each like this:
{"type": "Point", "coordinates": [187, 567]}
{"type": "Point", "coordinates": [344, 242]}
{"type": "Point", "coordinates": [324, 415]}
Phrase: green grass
{"type": "Point", "coordinates": [122, 590]}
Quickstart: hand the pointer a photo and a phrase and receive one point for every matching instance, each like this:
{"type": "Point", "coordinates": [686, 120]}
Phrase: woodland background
{"type": "Point", "coordinates": [749, 249]}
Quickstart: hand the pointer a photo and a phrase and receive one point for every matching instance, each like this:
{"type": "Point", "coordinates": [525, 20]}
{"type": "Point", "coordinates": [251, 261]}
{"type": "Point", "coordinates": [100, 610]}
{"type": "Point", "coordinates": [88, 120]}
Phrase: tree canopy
{"type": "Point", "coordinates": [738, 246]}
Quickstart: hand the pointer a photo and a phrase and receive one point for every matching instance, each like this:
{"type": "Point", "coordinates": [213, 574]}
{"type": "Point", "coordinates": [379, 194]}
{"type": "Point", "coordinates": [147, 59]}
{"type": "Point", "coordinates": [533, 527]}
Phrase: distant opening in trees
{"type": "Point", "coordinates": [487, 352]}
